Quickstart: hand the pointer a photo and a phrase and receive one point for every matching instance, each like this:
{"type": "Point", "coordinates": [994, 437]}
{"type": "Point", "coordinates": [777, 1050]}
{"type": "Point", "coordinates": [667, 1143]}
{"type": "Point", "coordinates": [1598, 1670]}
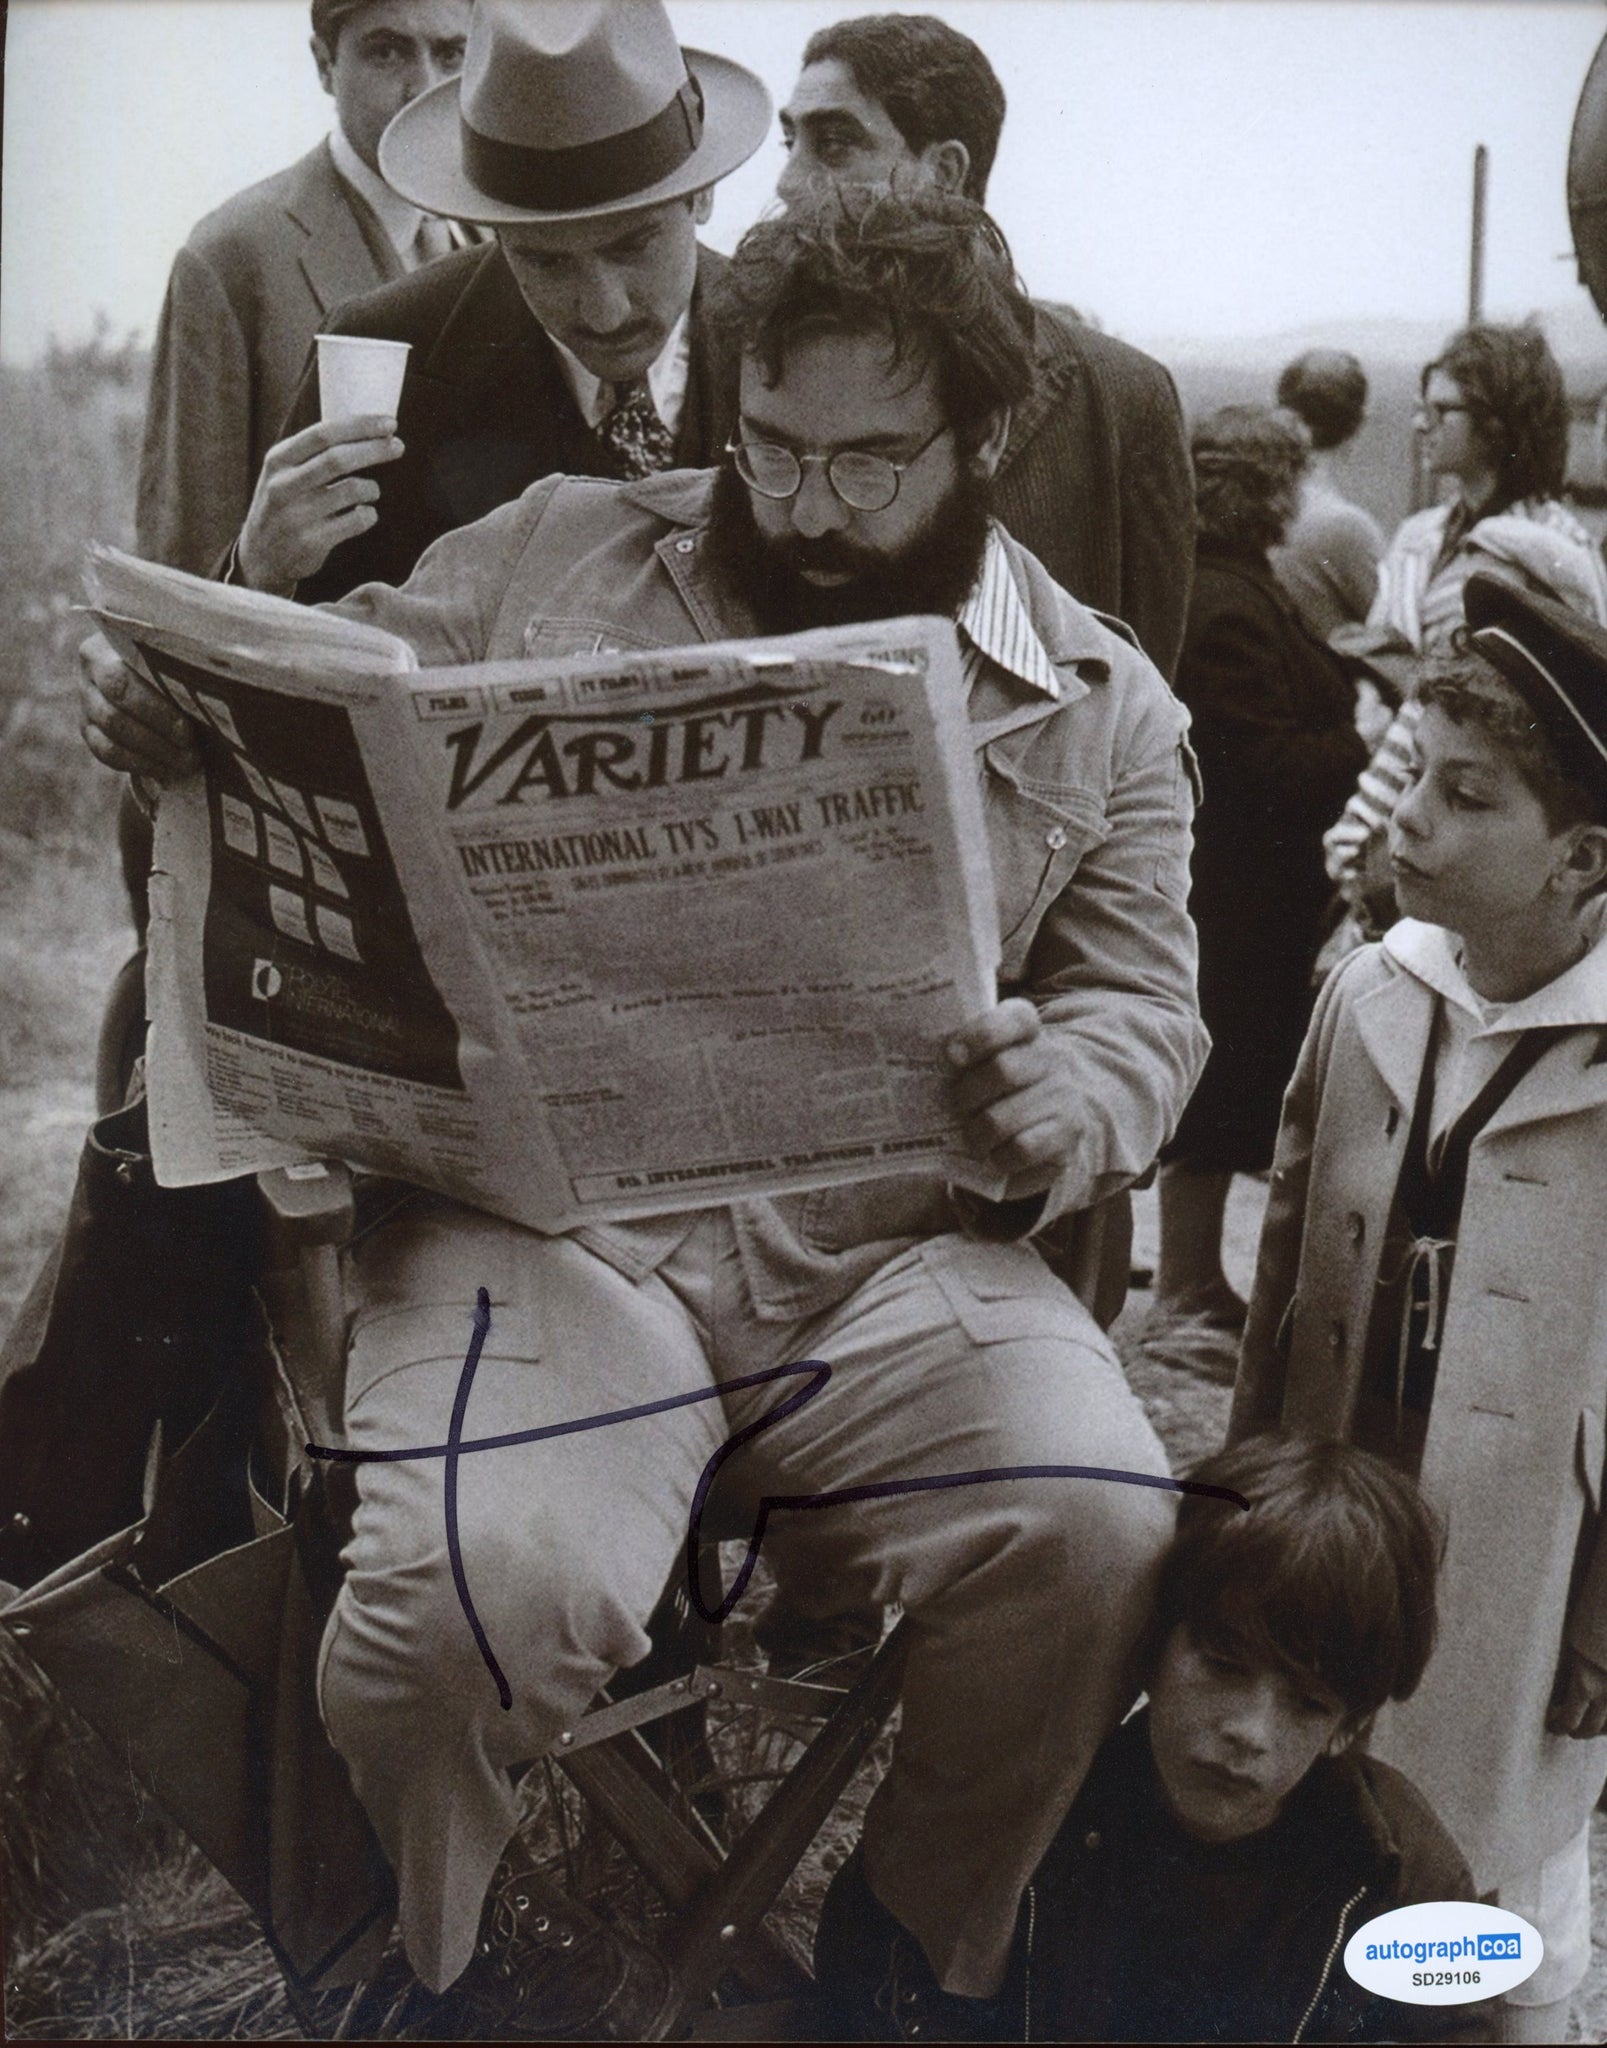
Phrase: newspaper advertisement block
{"type": "Point", "coordinates": [574, 940]}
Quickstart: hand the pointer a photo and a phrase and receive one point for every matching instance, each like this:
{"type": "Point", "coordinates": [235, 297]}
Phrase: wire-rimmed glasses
{"type": "Point", "coordinates": [865, 482]}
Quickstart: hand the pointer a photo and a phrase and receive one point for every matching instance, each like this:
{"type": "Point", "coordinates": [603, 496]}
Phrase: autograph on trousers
{"type": "Point", "coordinates": [814, 1372]}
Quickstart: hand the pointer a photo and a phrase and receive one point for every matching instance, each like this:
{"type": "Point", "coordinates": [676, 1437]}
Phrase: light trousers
{"type": "Point", "coordinates": [1554, 1896]}
{"type": "Point", "coordinates": [1024, 1596]}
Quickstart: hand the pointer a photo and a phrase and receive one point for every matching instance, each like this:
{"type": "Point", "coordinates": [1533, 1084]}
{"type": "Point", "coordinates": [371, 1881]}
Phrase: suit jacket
{"type": "Point", "coordinates": [486, 410]}
{"type": "Point", "coordinates": [1517, 1433]}
{"type": "Point", "coordinates": [247, 293]}
{"type": "Point", "coordinates": [1096, 480]}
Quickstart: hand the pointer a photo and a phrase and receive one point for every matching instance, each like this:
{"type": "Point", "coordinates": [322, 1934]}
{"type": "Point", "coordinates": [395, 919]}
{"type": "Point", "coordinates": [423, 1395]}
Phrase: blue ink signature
{"type": "Point", "coordinates": [814, 1370]}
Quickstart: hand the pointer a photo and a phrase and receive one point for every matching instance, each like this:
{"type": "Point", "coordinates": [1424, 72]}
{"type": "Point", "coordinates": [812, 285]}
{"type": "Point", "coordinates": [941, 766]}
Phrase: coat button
{"type": "Point", "coordinates": [1336, 1335]}
{"type": "Point", "coordinates": [685, 547]}
{"type": "Point", "coordinates": [1055, 837]}
{"type": "Point", "coordinates": [1355, 1226]}
{"type": "Point", "coordinates": [1093, 1839]}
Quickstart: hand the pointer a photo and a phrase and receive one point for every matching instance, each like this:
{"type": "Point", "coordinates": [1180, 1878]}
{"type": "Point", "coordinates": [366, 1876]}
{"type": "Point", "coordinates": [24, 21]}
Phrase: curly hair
{"type": "Point", "coordinates": [1247, 461]}
{"type": "Point", "coordinates": [1513, 388]}
{"type": "Point", "coordinates": [932, 83]}
{"type": "Point", "coordinates": [928, 268]}
{"type": "Point", "coordinates": [1471, 690]}
{"type": "Point", "coordinates": [1329, 1576]}
{"type": "Point", "coordinates": [1327, 389]}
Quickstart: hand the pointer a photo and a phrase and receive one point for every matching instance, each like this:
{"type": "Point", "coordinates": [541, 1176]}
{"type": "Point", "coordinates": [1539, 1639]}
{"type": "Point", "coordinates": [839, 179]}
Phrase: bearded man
{"type": "Point", "coordinates": [884, 342]}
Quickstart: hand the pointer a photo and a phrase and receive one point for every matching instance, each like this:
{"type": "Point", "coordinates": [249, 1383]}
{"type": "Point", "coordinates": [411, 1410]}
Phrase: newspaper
{"type": "Point", "coordinates": [571, 941]}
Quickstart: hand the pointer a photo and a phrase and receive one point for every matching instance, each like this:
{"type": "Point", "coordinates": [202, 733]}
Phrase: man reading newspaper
{"type": "Point", "coordinates": [884, 342]}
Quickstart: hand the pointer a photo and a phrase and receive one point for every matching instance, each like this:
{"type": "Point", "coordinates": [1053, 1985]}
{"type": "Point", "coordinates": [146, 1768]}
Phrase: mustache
{"type": "Point", "coordinates": [826, 553]}
{"type": "Point", "coordinates": [933, 571]}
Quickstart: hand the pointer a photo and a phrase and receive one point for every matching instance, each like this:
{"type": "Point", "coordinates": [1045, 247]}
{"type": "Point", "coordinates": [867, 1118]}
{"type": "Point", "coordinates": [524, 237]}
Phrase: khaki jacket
{"type": "Point", "coordinates": [1088, 803]}
{"type": "Point", "coordinates": [1515, 1449]}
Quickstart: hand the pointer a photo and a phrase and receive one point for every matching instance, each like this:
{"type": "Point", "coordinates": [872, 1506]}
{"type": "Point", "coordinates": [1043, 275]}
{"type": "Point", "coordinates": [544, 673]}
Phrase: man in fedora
{"type": "Point", "coordinates": [258, 276]}
{"type": "Point", "coordinates": [870, 425]}
{"type": "Point", "coordinates": [1096, 478]}
{"type": "Point", "coordinates": [587, 142]}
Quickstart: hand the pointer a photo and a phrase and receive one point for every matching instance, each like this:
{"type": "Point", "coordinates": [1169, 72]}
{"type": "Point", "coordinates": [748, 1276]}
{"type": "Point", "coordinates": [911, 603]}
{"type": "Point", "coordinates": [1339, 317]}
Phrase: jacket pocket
{"type": "Point", "coordinates": [553, 639]}
{"type": "Point", "coordinates": [1038, 836]}
{"type": "Point", "coordinates": [839, 1219]}
{"type": "Point", "coordinates": [1001, 1292]}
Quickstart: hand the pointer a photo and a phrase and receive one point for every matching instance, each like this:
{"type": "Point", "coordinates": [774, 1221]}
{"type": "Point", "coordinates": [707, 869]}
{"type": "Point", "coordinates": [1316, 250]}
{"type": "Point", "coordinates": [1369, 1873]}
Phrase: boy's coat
{"type": "Point", "coordinates": [1516, 1440]}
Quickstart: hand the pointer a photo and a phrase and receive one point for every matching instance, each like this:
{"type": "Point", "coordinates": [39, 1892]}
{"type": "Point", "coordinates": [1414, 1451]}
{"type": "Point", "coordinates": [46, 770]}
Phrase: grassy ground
{"type": "Point", "coordinates": [66, 476]}
{"type": "Point", "coordinates": [113, 1926]}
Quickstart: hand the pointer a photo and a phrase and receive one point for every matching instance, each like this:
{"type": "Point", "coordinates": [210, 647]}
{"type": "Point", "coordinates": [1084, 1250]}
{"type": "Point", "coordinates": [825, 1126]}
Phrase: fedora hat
{"type": "Point", "coordinates": [1556, 659]}
{"type": "Point", "coordinates": [570, 110]}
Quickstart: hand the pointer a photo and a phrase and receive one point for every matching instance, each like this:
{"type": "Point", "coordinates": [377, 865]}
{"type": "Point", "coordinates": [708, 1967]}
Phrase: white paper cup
{"type": "Point", "coordinates": [357, 375]}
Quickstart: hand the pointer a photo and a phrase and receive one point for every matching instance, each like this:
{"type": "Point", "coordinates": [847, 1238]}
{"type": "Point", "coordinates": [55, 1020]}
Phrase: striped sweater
{"type": "Point", "coordinates": [1537, 541]}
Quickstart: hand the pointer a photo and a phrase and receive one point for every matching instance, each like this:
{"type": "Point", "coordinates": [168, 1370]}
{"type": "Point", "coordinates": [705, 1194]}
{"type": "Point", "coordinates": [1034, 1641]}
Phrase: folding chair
{"type": "Point", "coordinates": [716, 1896]}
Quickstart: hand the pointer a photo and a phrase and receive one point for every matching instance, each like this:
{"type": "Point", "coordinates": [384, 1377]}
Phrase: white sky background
{"type": "Point", "coordinates": [1202, 168]}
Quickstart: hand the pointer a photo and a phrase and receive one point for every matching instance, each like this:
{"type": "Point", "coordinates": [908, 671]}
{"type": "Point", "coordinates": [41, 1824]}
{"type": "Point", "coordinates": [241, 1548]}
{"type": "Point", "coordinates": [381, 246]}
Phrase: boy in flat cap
{"type": "Point", "coordinates": [1429, 1283]}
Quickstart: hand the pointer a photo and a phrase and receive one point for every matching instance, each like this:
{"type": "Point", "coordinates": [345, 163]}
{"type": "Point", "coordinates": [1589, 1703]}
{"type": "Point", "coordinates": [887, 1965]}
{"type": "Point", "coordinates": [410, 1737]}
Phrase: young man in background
{"type": "Point", "coordinates": [1096, 477]}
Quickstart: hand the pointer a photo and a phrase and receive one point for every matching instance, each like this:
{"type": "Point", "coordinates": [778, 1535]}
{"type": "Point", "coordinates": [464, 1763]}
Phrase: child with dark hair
{"type": "Point", "coordinates": [1430, 1279]}
{"type": "Point", "coordinates": [1493, 426]}
{"type": "Point", "coordinates": [1328, 562]}
{"type": "Point", "coordinates": [1231, 1836]}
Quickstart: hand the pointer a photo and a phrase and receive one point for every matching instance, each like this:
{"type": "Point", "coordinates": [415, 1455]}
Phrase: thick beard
{"type": "Point", "coordinates": [934, 572]}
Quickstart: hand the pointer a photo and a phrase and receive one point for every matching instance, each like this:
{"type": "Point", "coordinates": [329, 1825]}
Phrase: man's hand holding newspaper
{"type": "Point", "coordinates": [128, 723]}
{"type": "Point", "coordinates": [512, 932]}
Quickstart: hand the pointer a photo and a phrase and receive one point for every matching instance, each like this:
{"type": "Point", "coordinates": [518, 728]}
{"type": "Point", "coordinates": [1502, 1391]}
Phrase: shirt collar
{"type": "Point", "coordinates": [1578, 997]}
{"type": "Point", "coordinates": [666, 379]}
{"type": "Point", "coordinates": [999, 628]}
{"type": "Point", "coordinates": [397, 216]}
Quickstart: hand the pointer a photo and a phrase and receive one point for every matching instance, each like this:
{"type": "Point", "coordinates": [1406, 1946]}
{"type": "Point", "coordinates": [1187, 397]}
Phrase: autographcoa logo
{"type": "Point", "coordinates": [1444, 1952]}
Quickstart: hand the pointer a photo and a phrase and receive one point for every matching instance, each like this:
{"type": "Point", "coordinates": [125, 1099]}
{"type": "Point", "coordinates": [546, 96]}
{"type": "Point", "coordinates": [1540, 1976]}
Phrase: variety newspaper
{"type": "Point", "coordinates": [571, 941]}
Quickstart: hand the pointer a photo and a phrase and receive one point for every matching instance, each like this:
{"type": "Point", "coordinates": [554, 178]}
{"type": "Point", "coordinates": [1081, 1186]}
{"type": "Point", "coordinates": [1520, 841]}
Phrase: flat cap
{"type": "Point", "coordinates": [1556, 659]}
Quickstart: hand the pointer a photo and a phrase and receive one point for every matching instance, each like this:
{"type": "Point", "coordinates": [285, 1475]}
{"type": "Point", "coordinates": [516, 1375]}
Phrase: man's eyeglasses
{"type": "Point", "coordinates": [863, 481]}
{"type": "Point", "coordinates": [1431, 411]}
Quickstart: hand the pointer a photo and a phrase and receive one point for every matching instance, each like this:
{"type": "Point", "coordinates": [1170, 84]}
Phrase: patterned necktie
{"type": "Point", "coordinates": [434, 238]}
{"type": "Point", "coordinates": [633, 432]}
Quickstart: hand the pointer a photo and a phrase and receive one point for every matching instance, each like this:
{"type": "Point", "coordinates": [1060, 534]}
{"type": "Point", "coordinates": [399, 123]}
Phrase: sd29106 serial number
{"type": "Point", "coordinates": [1445, 1976]}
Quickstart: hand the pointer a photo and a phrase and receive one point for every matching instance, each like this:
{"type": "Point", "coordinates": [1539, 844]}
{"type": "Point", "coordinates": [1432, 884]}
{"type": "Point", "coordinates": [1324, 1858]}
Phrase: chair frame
{"type": "Point", "coordinates": [717, 1897]}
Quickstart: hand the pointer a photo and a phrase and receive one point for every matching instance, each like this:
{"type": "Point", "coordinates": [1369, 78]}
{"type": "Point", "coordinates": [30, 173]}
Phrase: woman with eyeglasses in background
{"type": "Point", "coordinates": [1493, 419]}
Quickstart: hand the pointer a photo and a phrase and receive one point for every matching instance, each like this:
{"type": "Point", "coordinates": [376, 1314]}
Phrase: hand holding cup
{"type": "Point", "coordinates": [311, 495]}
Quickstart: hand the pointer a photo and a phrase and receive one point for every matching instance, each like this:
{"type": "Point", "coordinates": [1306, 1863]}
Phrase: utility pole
{"type": "Point", "coordinates": [1481, 181]}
